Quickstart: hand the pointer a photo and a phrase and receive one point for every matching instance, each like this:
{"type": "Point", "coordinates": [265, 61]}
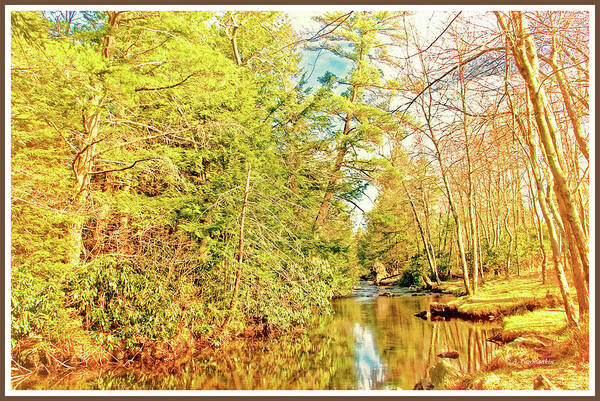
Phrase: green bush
{"type": "Point", "coordinates": [35, 303]}
{"type": "Point", "coordinates": [443, 268]}
{"type": "Point", "coordinates": [413, 275]}
{"type": "Point", "coordinates": [114, 297]}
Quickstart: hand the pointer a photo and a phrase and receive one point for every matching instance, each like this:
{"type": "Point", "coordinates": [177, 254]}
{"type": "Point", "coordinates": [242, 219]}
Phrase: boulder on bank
{"type": "Point", "coordinates": [443, 374]}
{"type": "Point", "coordinates": [449, 354]}
{"type": "Point", "coordinates": [423, 384]}
{"type": "Point", "coordinates": [380, 273]}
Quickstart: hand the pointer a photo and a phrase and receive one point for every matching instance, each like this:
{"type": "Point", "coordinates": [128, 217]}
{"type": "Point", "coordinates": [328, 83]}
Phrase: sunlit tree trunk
{"type": "Point", "coordinates": [554, 241]}
{"type": "Point", "coordinates": [565, 91]}
{"type": "Point", "coordinates": [526, 57]}
{"type": "Point", "coordinates": [470, 201]}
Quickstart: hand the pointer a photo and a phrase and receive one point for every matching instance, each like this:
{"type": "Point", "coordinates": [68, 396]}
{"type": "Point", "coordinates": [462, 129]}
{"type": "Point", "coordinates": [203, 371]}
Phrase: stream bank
{"type": "Point", "coordinates": [372, 341]}
{"type": "Point", "coordinates": [537, 350]}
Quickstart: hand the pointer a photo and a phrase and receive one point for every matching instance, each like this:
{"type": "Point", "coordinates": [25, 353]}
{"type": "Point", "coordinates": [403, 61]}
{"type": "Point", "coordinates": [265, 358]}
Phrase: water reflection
{"type": "Point", "coordinates": [367, 362]}
{"type": "Point", "coordinates": [370, 343]}
{"type": "Point", "coordinates": [406, 347]}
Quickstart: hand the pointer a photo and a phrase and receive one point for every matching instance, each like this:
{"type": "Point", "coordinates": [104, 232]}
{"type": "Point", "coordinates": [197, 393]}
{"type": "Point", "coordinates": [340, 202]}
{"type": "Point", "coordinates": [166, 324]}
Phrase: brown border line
{"type": "Point", "coordinates": [261, 2]}
{"type": "Point", "coordinates": [306, 2]}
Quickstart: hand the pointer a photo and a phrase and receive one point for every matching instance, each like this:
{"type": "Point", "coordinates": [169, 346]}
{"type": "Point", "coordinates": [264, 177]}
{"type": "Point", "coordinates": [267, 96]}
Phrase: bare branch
{"type": "Point", "coordinates": [165, 87]}
{"type": "Point", "coordinates": [124, 168]}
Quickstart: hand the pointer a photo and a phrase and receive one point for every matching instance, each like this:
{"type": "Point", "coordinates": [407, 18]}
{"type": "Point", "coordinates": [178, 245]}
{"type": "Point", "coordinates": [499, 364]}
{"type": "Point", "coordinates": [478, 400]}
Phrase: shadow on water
{"type": "Point", "coordinates": [371, 342]}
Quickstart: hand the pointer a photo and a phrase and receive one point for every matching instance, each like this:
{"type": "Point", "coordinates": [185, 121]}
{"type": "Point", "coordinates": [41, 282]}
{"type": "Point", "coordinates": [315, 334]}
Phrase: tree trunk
{"type": "Point", "coordinates": [84, 159]}
{"type": "Point", "coordinates": [240, 257]}
{"type": "Point", "coordinates": [82, 167]}
{"type": "Point", "coordinates": [425, 244]}
{"type": "Point", "coordinates": [510, 241]}
{"type": "Point", "coordinates": [124, 220]}
{"type": "Point", "coordinates": [569, 105]}
{"type": "Point", "coordinates": [461, 247]}
{"type": "Point", "coordinates": [523, 48]}
{"type": "Point", "coordinates": [335, 176]}
{"type": "Point", "coordinates": [538, 227]}
{"type": "Point", "coordinates": [560, 274]}
{"type": "Point", "coordinates": [577, 271]}
{"type": "Point", "coordinates": [428, 236]}
{"type": "Point", "coordinates": [470, 201]}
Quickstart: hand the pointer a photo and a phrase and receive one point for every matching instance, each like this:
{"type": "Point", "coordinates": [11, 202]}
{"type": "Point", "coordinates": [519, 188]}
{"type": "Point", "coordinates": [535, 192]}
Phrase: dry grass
{"type": "Point", "coordinates": [565, 375]}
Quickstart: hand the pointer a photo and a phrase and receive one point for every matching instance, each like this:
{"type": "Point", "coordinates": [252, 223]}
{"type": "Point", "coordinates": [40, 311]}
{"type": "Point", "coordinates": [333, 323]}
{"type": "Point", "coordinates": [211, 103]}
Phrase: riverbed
{"type": "Point", "coordinates": [372, 341]}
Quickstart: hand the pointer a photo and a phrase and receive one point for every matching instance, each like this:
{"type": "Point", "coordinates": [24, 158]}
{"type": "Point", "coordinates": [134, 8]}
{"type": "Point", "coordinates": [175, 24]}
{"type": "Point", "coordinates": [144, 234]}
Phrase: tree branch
{"type": "Point", "coordinates": [446, 74]}
{"type": "Point", "coordinates": [165, 87]}
{"type": "Point", "coordinates": [124, 168]}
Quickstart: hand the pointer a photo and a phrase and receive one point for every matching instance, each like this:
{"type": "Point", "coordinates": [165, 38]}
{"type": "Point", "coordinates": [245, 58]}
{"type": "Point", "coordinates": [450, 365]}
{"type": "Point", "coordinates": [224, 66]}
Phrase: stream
{"type": "Point", "coordinates": [372, 341]}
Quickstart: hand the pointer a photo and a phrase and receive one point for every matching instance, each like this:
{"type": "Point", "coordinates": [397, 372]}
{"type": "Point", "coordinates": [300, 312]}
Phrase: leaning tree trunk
{"type": "Point", "coordinates": [337, 168]}
{"type": "Point", "coordinates": [240, 257]}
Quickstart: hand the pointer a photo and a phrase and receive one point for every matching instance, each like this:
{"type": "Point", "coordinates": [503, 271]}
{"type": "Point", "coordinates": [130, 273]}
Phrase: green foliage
{"type": "Point", "coordinates": [114, 297]}
{"type": "Point", "coordinates": [36, 302]}
{"type": "Point", "coordinates": [160, 240]}
{"type": "Point", "coordinates": [413, 275]}
{"type": "Point", "coordinates": [443, 267]}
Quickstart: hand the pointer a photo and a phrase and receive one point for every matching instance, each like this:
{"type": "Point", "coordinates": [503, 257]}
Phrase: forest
{"type": "Point", "coordinates": [189, 179]}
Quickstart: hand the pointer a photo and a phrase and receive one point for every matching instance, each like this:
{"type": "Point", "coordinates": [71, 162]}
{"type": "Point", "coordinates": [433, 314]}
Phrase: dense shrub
{"type": "Point", "coordinates": [413, 275]}
{"type": "Point", "coordinates": [115, 297]}
{"type": "Point", "coordinates": [35, 304]}
{"type": "Point", "coordinates": [443, 266]}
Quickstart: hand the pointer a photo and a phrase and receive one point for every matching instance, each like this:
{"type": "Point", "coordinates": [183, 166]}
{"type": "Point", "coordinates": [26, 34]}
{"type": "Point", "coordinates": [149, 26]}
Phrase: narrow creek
{"type": "Point", "coordinates": [372, 341]}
